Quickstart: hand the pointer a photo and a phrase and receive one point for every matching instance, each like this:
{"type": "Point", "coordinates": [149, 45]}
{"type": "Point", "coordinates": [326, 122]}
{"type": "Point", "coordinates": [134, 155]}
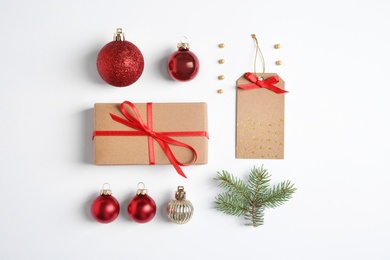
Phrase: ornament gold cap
{"type": "Point", "coordinates": [183, 45]}
{"type": "Point", "coordinates": [119, 35]}
{"type": "Point", "coordinates": [106, 191]}
{"type": "Point", "coordinates": [180, 193]}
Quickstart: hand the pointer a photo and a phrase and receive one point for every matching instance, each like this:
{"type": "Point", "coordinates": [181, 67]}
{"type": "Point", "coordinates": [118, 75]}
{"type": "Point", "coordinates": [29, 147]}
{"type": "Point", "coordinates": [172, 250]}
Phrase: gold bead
{"type": "Point", "coordinates": [279, 62]}
{"type": "Point", "coordinates": [220, 91]}
{"type": "Point", "coordinates": [221, 61]}
{"type": "Point", "coordinates": [277, 46]}
{"type": "Point", "coordinates": [221, 77]}
{"type": "Point", "coordinates": [221, 45]}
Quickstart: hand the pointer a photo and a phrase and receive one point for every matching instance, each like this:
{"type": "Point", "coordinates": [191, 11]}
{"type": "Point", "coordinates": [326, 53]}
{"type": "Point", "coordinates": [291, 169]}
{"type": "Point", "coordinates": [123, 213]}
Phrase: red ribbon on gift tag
{"type": "Point", "coordinates": [268, 83]}
{"type": "Point", "coordinates": [162, 138]}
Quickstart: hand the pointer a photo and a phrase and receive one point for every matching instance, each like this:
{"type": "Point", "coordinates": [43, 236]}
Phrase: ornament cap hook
{"type": "Point", "coordinates": [106, 189]}
{"type": "Point", "coordinates": [141, 189]}
{"type": "Point", "coordinates": [180, 193]}
{"type": "Point", "coordinates": [119, 35]}
{"type": "Point", "coordinates": [183, 44]}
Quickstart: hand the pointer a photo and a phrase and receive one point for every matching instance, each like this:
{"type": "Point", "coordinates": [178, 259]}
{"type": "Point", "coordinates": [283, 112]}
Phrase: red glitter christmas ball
{"type": "Point", "coordinates": [120, 63]}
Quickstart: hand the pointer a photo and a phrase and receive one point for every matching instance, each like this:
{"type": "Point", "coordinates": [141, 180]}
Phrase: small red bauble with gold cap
{"type": "Point", "coordinates": [183, 64]}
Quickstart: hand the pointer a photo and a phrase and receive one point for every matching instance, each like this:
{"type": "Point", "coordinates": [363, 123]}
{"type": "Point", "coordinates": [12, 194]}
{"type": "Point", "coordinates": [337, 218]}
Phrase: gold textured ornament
{"type": "Point", "coordinates": [180, 210]}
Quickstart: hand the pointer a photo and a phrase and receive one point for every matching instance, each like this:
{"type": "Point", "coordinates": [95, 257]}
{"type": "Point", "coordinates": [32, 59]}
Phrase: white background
{"type": "Point", "coordinates": [336, 66]}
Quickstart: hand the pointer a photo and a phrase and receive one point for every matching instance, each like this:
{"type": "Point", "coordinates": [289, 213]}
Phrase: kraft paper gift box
{"type": "Point", "coordinates": [260, 116]}
{"type": "Point", "coordinates": [122, 138]}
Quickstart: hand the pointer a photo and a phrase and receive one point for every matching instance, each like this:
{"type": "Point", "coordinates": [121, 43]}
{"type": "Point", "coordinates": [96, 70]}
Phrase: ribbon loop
{"type": "Point", "coordinates": [268, 83]}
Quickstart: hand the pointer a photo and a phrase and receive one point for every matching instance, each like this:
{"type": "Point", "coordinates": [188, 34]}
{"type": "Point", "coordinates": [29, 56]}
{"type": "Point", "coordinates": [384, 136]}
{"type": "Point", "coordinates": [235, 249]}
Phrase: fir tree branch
{"type": "Point", "coordinates": [256, 217]}
{"type": "Point", "coordinates": [234, 185]}
{"type": "Point", "coordinates": [250, 200]}
{"type": "Point", "coordinates": [278, 194]}
{"type": "Point", "coordinates": [258, 183]}
{"type": "Point", "coordinates": [229, 204]}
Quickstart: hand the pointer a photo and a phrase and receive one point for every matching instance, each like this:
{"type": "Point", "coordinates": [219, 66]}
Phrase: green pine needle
{"type": "Point", "coordinates": [279, 194]}
{"type": "Point", "coordinates": [234, 185]}
{"type": "Point", "coordinates": [250, 199]}
{"type": "Point", "coordinates": [255, 218]}
{"type": "Point", "coordinates": [228, 204]}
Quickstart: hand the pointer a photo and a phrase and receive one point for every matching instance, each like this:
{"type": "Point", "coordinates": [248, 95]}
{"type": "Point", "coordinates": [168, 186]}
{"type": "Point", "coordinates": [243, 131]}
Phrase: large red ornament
{"type": "Point", "coordinates": [142, 207]}
{"type": "Point", "coordinates": [105, 208]}
{"type": "Point", "coordinates": [120, 63]}
{"type": "Point", "coordinates": [183, 65]}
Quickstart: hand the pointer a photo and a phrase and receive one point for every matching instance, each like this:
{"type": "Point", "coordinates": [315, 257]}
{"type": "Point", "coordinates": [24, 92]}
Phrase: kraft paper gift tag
{"type": "Point", "coordinates": [260, 116]}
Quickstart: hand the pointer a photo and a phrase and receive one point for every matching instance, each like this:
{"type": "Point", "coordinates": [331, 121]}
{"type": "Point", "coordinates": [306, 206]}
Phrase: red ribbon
{"type": "Point", "coordinates": [162, 138]}
{"type": "Point", "coordinates": [262, 83]}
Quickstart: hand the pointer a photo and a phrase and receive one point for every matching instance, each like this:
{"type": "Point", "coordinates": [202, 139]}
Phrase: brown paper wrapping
{"type": "Point", "coordinates": [167, 117]}
{"type": "Point", "coordinates": [260, 121]}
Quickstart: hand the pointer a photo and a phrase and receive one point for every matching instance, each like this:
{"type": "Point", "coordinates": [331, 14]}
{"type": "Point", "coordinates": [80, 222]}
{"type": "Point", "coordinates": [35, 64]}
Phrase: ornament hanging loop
{"type": "Point", "coordinates": [258, 51]}
{"type": "Point", "coordinates": [183, 45]}
{"type": "Point", "coordinates": [184, 38]}
{"type": "Point", "coordinates": [141, 185]}
{"type": "Point", "coordinates": [141, 189]}
{"type": "Point", "coordinates": [106, 189]}
{"type": "Point", "coordinates": [119, 35]}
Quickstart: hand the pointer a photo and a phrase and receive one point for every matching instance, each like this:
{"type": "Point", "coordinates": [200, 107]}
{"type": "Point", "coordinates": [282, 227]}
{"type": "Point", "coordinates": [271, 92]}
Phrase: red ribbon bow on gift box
{"type": "Point", "coordinates": [262, 83]}
{"type": "Point", "coordinates": [162, 138]}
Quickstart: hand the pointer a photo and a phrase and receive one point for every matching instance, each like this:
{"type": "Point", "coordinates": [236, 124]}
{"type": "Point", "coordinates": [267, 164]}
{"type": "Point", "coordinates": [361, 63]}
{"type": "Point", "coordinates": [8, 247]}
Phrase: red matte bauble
{"type": "Point", "coordinates": [105, 209]}
{"type": "Point", "coordinates": [141, 208]}
{"type": "Point", "coordinates": [120, 63]}
{"type": "Point", "coordinates": [183, 65]}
